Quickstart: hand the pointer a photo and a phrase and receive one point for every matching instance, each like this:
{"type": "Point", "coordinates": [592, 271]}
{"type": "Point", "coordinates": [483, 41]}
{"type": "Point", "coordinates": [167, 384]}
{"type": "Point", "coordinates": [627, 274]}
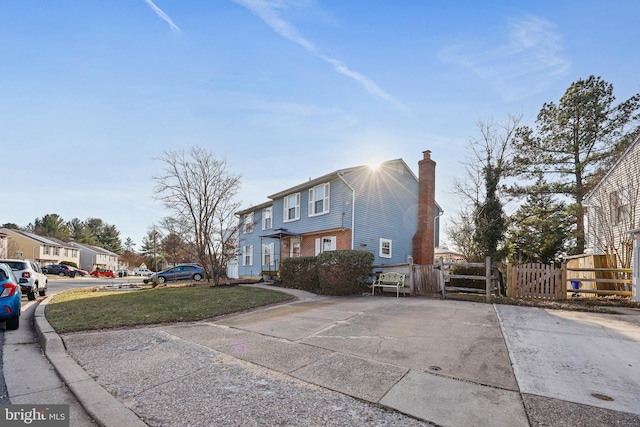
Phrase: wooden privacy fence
{"type": "Point", "coordinates": [601, 281]}
{"type": "Point", "coordinates": [425, 279]}
{"type": "Point", "coordinates": [536, 281]}
{"type": "Point", "coordinates": [550, 282]}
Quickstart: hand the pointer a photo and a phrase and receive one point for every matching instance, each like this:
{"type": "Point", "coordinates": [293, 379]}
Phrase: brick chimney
{"type": "Point", "coordinates": [424, 239]}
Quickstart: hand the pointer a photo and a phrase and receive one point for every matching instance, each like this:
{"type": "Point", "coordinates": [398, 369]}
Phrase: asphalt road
{"type": "Point", "coordinates": [26, 376]}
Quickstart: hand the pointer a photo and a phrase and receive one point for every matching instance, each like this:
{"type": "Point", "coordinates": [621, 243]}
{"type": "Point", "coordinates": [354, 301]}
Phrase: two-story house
{"type": "Point", "coordinates": [93, 257]}
{"type": "Point", "coordinates": [374, 209]}
{"type": "Point", "coordinates": [43, 250]}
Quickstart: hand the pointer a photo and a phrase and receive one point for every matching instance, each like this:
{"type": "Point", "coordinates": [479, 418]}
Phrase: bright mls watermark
{"type": "Point", "coordinates": [34, 415]}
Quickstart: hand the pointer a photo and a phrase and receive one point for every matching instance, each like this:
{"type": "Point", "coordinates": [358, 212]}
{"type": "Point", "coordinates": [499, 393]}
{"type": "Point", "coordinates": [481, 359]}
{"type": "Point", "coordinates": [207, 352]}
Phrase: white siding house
{"type": "Point", "coordinates": [613, 215]}
{"type": "Point", "coordinates": [613, 209]}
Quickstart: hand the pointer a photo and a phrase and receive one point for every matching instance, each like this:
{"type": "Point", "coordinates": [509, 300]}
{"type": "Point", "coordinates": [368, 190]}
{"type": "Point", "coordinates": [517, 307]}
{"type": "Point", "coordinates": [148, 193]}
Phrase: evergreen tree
{"type": "Point", "coordinates": [539, 230]}
{"type": "Point", "coordinates": [572, 139]}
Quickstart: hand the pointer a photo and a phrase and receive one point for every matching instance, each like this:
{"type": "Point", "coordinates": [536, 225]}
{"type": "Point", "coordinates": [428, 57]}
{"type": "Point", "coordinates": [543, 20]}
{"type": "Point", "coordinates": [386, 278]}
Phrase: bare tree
{"type": "Point", "coordinates": [487, 165]}
{"type": "Point", "coordinates": [461, 229]}
{"type": "Point", "coordinates": [199, 191]}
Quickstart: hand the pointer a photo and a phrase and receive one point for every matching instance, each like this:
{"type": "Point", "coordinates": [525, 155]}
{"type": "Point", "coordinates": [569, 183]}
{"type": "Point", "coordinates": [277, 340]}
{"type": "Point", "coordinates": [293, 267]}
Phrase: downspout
{"type": "Point", "coordinates": [353, 210]}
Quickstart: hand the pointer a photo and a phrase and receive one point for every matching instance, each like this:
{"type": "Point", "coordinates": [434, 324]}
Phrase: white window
{"type": "Point", "coordinates": [319, 200]}
{"type": "Point", "coordinates": [324, 244]}
{"type": "Point", "coordinates": [385, 248]}
{"type": "Point", "coordinates": [247, 255]}
{"type": "Point", "coordinates": [267, 253]}
{"type": "Point", "coordinates": [292, 207]}
{"type": "Point", "coordinates": [267, 214]}
{"type": "Point", "coordinates": [620, 205]}
{"type": "Point", "coordinates": [248, 223]}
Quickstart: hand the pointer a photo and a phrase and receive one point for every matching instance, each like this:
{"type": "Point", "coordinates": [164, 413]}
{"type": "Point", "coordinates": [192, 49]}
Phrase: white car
{"type": "Point", "coordinates": [29, 275]}
{"type": "Point", "coordinates": [142, 272]}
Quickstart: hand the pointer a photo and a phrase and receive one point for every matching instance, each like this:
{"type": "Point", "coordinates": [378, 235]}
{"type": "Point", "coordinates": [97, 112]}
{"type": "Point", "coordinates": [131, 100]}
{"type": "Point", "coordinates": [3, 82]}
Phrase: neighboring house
{"type": "Point", "coordinates": [93, 257]}
{"type": "Point", "coordinates": [449, 255]}
{"type": "Point", "coordinates": [43, 250]}
{"type": "Point", "coordinates": [378, 210]}
{"type": "Point", "coordinates": [613, 209]}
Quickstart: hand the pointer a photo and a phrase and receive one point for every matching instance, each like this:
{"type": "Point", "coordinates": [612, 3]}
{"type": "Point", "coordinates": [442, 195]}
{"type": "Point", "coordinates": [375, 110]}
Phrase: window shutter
{"type": "Point", "coordinates": [318, 245]}
{"type": "Point", "coordinates": [311, 203]}
{"type": "Point", "coordinates": [326, 197]}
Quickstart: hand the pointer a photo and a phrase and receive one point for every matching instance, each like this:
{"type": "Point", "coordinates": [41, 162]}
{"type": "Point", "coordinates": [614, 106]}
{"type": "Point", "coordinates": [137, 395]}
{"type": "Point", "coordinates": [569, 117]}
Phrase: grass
{"type": "Point", "coordinates": [88, 309]}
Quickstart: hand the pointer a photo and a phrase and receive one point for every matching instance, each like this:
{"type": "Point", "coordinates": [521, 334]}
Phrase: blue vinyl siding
{"type": "Point", "coordinates": [339, 215]}
{"type": "Point", "coordinates": [386, 207]}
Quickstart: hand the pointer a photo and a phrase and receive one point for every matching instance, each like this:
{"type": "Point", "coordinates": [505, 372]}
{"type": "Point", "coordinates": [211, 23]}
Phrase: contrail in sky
{"type": "Point", "coordinates": [162, 15]}
{"type": "Point", "coordinates": [266, 11]}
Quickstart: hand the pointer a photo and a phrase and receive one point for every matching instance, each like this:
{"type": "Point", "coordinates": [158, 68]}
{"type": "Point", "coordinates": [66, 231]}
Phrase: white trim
{"type": "Point", "coordinates": [268, 249]}
{"type": "Point", "coordinates": [286, 208]}
{"type": "Point", "coordinates": [382, 252]}
{"type": "Point", "coordinates": [269, 210]}
{"type": "Point", "coordinates": [325, 199]}
{"type": "Point", "coordinates": [247, 255]}
{"type": "Point", "coordinates": [322, 242]}
{"type": "Point", "coordinates": [248, 223]}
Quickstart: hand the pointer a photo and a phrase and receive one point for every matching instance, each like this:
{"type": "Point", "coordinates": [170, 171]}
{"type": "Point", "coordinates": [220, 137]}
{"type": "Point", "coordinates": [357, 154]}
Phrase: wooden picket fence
{"type": "Point", "coordinates": [539, 281]}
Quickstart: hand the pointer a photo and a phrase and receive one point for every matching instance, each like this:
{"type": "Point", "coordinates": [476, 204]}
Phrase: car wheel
{"type": "Point", "coordinates": [13, 323]}
{"type": "Point", "coordinates": [197, 277]}
{"type": "Point", "coordinates": [162, 279]}
{"type": "Point", "coordinates": [43, 292]}
{"type": "Point", "coordinates": [31, 295]}
{"type": "Point", "coordinates": [61, 274]}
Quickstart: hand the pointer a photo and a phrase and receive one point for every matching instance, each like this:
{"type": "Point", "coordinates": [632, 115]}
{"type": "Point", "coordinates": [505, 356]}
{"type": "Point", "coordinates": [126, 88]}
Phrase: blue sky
{"type": "Point", "coordinates": [91, 92]}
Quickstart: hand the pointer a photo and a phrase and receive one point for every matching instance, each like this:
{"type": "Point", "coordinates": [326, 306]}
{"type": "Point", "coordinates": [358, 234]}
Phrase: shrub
{"type": "Point", "coordinates": [69, 263]}
{"type": "Point", "coordinates": [331, 273]}
{"type": "Point", "coordinates": [344, 272]}
{"type": "Point", "coordinates": [300, 273]}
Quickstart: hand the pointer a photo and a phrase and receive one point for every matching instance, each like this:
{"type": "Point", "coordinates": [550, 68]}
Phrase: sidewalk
{"type": "Point", "coordinates": [440, 361]}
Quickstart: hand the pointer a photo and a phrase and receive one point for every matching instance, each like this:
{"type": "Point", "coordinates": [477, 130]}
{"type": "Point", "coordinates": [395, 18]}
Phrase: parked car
{"type": "Point", "coordinates": [124, 273]}
{"type": "Point", "coordinates": [142, 272]}
{"type": "Point", "coordinates": [179, 272]}
{"type": "Point", "coordinates": [35, 280]}
{"type": "Point", "coordinates": [103, 272]}
{"type": "Point", "coordinates": [10, 302]}
{"type": "Point", "coordinates": [58, 269]}
{"type": "Point", "coordinates": [80, 272]}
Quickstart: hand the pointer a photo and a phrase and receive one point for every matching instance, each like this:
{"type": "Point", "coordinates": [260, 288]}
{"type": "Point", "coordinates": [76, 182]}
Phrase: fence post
{"type": "Point", "coordinates": [441, 276]}
{"type": "Point", "coordinates": [563, 287]}
{"type": "Point", "coordinates": [488, 279]}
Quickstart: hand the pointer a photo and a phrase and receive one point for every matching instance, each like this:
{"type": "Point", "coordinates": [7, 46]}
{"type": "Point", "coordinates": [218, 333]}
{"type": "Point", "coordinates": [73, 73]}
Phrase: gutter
{"type": "Point", "coordinates": [353, 209]}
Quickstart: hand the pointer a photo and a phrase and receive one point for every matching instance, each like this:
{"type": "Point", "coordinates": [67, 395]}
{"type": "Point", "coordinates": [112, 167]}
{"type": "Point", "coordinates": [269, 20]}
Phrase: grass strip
{"type": "Point", "coordinates": [88, 309]}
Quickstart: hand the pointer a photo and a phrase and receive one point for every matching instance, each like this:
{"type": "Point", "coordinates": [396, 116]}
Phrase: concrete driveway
{"type": "Point", "coordinates": [442, 361]}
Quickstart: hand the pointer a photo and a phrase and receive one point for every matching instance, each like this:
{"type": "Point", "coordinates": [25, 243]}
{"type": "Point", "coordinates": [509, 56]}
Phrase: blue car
{"type": "Point", "coordinates": [10, 303]}
{"type": "Point", "coordinates": [179, 272]}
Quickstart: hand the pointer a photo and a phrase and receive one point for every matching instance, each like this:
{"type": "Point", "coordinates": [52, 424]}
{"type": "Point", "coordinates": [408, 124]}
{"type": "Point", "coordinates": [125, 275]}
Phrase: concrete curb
{"type": "Point", "coordinates": [105, 409]}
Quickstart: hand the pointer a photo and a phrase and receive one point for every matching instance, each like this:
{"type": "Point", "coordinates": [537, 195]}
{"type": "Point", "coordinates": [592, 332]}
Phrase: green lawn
{"type": "Point", "coordinates": [88, 309]}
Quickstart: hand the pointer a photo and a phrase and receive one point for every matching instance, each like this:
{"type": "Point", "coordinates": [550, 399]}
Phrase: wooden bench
{"type": "Point", "coordinates": [389, 280]}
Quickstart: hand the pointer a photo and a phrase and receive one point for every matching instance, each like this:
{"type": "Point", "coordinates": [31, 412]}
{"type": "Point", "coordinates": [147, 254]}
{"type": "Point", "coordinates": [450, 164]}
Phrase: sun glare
{"type": "Point", "coordinates": [373, 165]}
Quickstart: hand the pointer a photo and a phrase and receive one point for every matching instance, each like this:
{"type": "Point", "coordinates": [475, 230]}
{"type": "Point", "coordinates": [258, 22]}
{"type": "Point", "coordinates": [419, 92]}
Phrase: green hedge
{"type": "Point", "coordinates": [330, 273]}
{"type": "Point", "coordinates": [300, 273]}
